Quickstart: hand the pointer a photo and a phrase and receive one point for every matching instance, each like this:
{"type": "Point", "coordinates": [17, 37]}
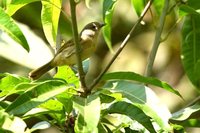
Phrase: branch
{"type": "Point", "coordinates": [96, 81]}
{"type": "Point", "coordinates": [78, 47]}
{"type": "Point", "coordinates": [171, 30]}
{"type": "Point", "coordinates": [157, 40]}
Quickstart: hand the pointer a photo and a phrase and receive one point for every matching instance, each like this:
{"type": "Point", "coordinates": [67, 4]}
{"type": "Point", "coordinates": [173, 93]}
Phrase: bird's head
{"type": "Point", "coordinates": [91, 30]}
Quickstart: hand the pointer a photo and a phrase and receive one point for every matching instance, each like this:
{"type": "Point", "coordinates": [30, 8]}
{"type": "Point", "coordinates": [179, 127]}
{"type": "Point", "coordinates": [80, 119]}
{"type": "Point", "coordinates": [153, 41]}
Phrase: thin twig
{"type": "Point", "coordinates": [196, 100]}
{"type": "Point", "coordinates": [78, 48]}
{"type": "Point", "coordinates": [170, 31]}
{"type": "Point", "coordinates": [156, 40]}
{"type": "Point", "coordinates": [96, 81]}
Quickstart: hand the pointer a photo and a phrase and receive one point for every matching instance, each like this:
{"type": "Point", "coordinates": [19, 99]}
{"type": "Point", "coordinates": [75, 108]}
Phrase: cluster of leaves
{"type": "Point", "coordinates": [97, 112]}
{"type": "Point", "coordinates": [119, 105]}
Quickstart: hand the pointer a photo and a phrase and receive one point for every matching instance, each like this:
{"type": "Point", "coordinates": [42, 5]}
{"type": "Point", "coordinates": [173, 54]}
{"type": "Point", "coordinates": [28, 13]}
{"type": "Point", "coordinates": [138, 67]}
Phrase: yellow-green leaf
{"type": "Point", "coordinates": [50, 18]}
{"type": "Point", "coordinates": [8, 25]}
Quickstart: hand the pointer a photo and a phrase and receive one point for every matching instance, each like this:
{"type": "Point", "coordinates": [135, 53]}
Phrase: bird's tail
{"type": "Point", "coordinates": [37, 73]}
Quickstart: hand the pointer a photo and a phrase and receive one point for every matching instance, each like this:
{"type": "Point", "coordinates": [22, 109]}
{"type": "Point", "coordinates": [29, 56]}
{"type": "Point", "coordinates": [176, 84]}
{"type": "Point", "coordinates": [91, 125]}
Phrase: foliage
{"type": "Point", "coordinates": [122, 103]}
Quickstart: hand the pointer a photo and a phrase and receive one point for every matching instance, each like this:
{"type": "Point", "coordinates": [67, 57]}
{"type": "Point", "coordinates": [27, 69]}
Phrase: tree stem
{"type": "Point", "coordinates": [78, 47]}
{"type": "Point", "coordinates": [157, 40]}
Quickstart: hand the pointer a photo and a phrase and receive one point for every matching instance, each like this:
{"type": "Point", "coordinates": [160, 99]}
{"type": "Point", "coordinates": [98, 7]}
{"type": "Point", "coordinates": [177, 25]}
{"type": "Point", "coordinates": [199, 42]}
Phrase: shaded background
{"type": "Point", "coordinates": [167, 66]}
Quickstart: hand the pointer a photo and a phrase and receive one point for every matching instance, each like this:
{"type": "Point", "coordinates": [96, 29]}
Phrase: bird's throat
{"type": "Point", "coordinates": [87, 34]}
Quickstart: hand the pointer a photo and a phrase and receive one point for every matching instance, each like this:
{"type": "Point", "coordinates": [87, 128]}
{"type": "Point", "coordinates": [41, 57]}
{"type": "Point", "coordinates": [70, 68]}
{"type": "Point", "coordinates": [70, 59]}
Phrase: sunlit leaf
{"type": "Point", "coordinates": [4, 3]}
{"type": "Point", "coordinates": [143, 98]}
{"type": "Point", "coordinates": [186, 113]}
{"type": "Point", "coordinates": [9, 123]}
{"type": "Point", "coordinates": [187, 117]}
{"type": "Point", "coordinates": [108, 8]}
{"type": "Point", "coordinates": [36, 111]}
{"type": "Point", "coordinates": [16, 5]}
{"type": "Point", "coordinates": [50, 17]}
{"type": "Point", "coordinates": [36, 95]}
{"type": "Point", "coordinates": [55, 109]}
{"type": "Point", "coordinates": [138, 5]}
{"type": "Point", "coordinates": [88, 113]}
{"type": "Point", "coordinates": [41, 125]}
{"type": "Point", "coordinates": [136, 77]}
{"type": "Point", "coordinates": [9, 83]}
{"type": "Point", "coordinates": [158, 5]}
{"type": "Point", "coordinates": [190, 48]}
{"type": "Point", "coordinates": [133, 112]}
{"type": "Point", "coordinates": [8, 25]}
{"type": "Point", "coordinates": [66, 73]}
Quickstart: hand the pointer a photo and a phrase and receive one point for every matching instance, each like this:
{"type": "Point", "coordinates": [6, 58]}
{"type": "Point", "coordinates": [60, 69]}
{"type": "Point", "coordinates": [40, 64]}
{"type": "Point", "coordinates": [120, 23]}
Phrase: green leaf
{"type": "Point", "coordinates": [101, 129]}
{"type": "Point", "coordinates": [134, 92]}
{"type": "Point", "coordinates": [88, 114]}
{"type": "Point", "coordinates": [65, 25]}
{"type": "Point", "coordinates": [187, 123]}
{"type": "Point", "coordinates": [186, 113]}
{"type": "Point", "coordinates": [190, 48]}
{"type": "Point", "coordinates": [158, 6]}
{"type": "Point", "coordinates": [50, 18]}
{"type": "Point", "coordinates": [194, 4]}
{"type": "Point", "coordinates": [55, 110]}
{"type": "Point", "coordinates": [136, 77]}
{"type": "Point", "coordinates": [106, 98]}
{"type": "Point", "coordinates": [4, 130]}
{"type": "Point", "coordinates": [36, 95]}
{"type": "Point", "coordinates": [129, 130]}
{"type": "Point", "coordinates": [133, 112]}
{"type": "Point", "coordinates": [187, 117]}
{"type": "Point", "coordinates": [108, 8]}
{"type": "Point", "coordinates": [53, 105]}
{"type": "Point", "coordinates": [11, 122]}
{"type": "Point", "coordinates": [4, 104]}
{"type": "Point", "coordinates": [143, 98]}
{"type": "Point", "coordinates": [8, 25]}
{"type": "Point", "coordinates": [4, 3]}
{"type": "Point", "coordinates": [9, 82]}
{"type": "Point", "coordinates": [16, 5]}
{"type": "Point", "coordinates": [188, 10]}
{"type": "Point", "coordinates": [37, 111]}
{"type": "Point", "coordinates": [138, 6]}
{"type": "Point", "coordinates": [66, 73]}
{"type": "Point", "coordinates": [66, 100]}
{"type": "Point", "coordinates": [178, 128]}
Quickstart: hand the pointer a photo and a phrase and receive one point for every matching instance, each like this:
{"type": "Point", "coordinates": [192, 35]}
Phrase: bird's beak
{"type": "Point", "coordinates": [103, 24]}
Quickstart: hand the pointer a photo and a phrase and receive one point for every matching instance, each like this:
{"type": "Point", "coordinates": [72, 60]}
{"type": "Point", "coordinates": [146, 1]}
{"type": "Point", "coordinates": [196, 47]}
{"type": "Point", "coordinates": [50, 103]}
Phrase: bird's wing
{"type": "Point", "coordinates": [65, 45]}
{"type": "Point", "coordinates": [68, 48]}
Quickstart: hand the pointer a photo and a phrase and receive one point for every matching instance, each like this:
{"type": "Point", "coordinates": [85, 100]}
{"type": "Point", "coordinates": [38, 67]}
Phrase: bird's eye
{"type": "Point", "coordinates": [94, 27]}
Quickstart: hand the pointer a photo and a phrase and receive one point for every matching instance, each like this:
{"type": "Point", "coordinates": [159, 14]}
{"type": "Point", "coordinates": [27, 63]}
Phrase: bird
{"type": "Point", "coordinates": [66, 55]}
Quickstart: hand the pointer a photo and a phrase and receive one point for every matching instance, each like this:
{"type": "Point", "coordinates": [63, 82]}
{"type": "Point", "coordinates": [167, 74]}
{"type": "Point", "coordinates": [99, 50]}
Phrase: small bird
{"type": "Point", "coordinates": [66, 55]}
